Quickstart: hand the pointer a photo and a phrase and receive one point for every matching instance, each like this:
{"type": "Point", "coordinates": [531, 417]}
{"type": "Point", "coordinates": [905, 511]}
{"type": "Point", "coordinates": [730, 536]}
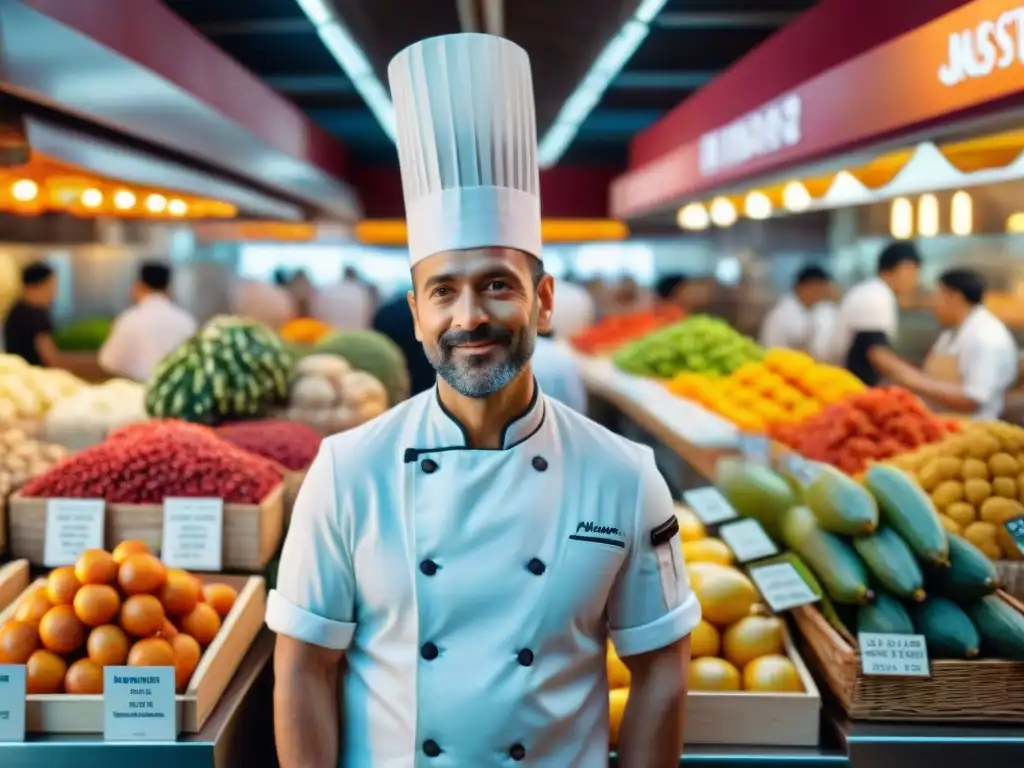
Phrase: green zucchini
{"type": "Point", "coordinates": [837, 566]}
{"type": "Point", "coordinates": [755, 491]}
{"type": "Point", "coordinates": [886, 616]}
{"type": "Point", "coordinates": [948, 631]}
{"type": "Point", "coordinates": [891, 562]}
{"type": "Point", "coordinates": [841, 504]}
{"type": "Point", "coordinates": [1001, 627]}
{"type": "Point", "coordinates": [970, 575]}
{"type": "Point", "coordinates": [910, 512]}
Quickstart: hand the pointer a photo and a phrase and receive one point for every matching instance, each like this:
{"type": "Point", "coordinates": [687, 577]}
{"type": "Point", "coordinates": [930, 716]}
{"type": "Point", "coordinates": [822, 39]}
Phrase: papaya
{"type": "Point", "coordinates": [948, 632]}
{"type": "Point", "coordinates": [885, 616]}
{"type": "Point", "coordinates": [910, 512]}
{"type": "Point", "coordinates": [841, 504]}
{"type": "Point", "coordinates": [970, 575]}
{"type": "Point", "coordinates": [1000, 625]}
{"type": "Point", "coordinates": [755, 491]}
{"type": "Point", "coordinates": [841, 572]}
{"type": "Point", "coordinates": [891, 562]}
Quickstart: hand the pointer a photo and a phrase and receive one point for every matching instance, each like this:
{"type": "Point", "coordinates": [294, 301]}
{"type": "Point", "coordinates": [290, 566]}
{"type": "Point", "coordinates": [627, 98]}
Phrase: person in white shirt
{"type": "Point", "coordinates": [793, 322]}
{"type": "Point", "coordinates": [574, 309]}
{"type": "Point", "coordinates": [256, 300]}
{"type": "Point", "coordinates": [347, 305]}
{"type": "Point", "coordinates": [148, 331]}
{"type": "Point", "coordinates": [455, 567]}
{"type": "Point", "coordinates": [558, 372]}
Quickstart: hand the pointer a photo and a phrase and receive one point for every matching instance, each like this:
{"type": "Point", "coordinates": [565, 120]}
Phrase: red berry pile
{"type": "Point", "coordinates": [289, 443]}
{"type": "Point", "coordinates": [144, 463]}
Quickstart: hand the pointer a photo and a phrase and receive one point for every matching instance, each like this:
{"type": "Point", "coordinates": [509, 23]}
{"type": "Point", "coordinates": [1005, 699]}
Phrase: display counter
{"type": "Point", "coordinates": [239, 732]}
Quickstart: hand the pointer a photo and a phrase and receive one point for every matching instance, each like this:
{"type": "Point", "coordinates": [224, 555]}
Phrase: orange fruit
{"type": "Point", "coordinates": [140, 574]}
{"type": "Point", "coordinates": [221, 596]}
{"type": "Point", "coordinates": [97, 604]}
{"type": "Point", "coordinates": [96, 566]}
{"type": "Point", "coordinates": [84, 676]}
{"type": "Point", "coordinates": [203, 623]}
{"type": "Point", "coordinates": [60, 630]}
{"type": "Point", "coordinates": [186, 658]}
{"type": "Point", "coordinates": [107, 646]}
{"type": "Point", "coordinates": [151, 652]}
{"type": "Point", "coordinates": [61, 585]}
{"type": "Point", "coordinates": [34, 607]}
{"type": "Point", "coordinates": [18, 641]}
{"type": "Point", "coordinates": [44, 672]}
{"type": "Point", "coordinates": [142, 615]}
{"type": "Point", "coordinates": [168, 631]}
{"type": "Point", "coordinates": [180, 593]}
{"type": "Point", "coordinates": [127, 548]}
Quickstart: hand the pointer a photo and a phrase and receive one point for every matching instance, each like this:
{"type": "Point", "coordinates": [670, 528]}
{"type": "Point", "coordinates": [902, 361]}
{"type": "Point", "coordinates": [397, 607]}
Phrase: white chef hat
{"type": "Point", "coordinates": [467, 144]}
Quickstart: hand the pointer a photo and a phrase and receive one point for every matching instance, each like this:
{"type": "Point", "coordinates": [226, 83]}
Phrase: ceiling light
{"type": "Point", "coordinates": [24, 190]}
{"type": "Point", "coordinates": [177, 207]}
{"type": "Point", "coordinates": [723, 213]}
{"type": "Point", "coordinates": [124, 200]}
{"type": "Point", "coordinates": [795, 197]}
{"type": "Point", "coordinates": [927, 216]}
{"type": "Point", "coordinates": [156, 203]}
{"type": "Point", "coordinates": [961, 214]}
{"type": "Point", "coordinates": [693, 216]}
{"type": "Point", "coordinates": [757, 206]}
{"type": "Point", "coordinates": [901, 218]}
{"type": "Point", "coordinates": [92, 198]}
{"type": "Point", "coordinates": [1015, 223]}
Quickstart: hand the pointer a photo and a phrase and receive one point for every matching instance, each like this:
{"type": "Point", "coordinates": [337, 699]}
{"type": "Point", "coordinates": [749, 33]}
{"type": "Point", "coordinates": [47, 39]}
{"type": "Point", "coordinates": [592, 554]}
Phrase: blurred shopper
{"type": "Point", "coordinates": [792, 321]}
{"type": "Point", "coordinates": [303, 293]}
{"type": "Point", "coordinates": [394, 319]}
{"type": "Point", "coordinates": [869, 315]}
{"type": "Point", "coordinates": [347, 305]}
{"type": "Point", "coordinates": [574, 309]}
{"type": "Point", "coordinates": [28, 327]}
{"type": "Point", "coordinates": [269, 304]}
{"type": "Point", "coordinates": [558, 372]}
{"type": "Point", "coordinates": [143, 334]}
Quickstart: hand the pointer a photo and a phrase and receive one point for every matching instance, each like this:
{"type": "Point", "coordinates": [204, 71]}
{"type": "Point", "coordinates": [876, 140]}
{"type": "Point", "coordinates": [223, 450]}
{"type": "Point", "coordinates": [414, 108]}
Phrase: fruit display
{"type": "Point", "coordinates": [786, 387]}
{"type": "Point", "coordinates": [871, 426]}
{"type": "Point", "coordinates": [373, 353]}
{"type": "Point", "coordinates": [28, 391]}
{"type": "Point", "coordinates": [976, 481]}
{"type": "Point", "coordinates": [146, 462]}
{"type": "Point", "coordinates": [85, 335]}
{"type": "Point", "coordinates": [86, 417]}
{"type": "Point", "coordinates": [289, 443]}
{"type": "Point", "coordinates": [22, 458]}
{"type": "Point", "coordinates": [699, 344]}
{"type": "Point", "coordinates": [330, 396]}
{"type": "Point", "coordinates": [304, 330]}
{"type": "Point", "coordinates": [231, 369]}
{"type": "Point", "coordinates": [113, 609]}
{"type": "Point", "coordinates": [611, 332]}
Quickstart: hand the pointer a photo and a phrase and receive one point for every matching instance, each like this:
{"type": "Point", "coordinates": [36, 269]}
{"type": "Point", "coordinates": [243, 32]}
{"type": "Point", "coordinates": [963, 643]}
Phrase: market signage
{"type": "Point", "coordinates": [762, 132]}
{"type": "Point", "coordinates": [977, 51]}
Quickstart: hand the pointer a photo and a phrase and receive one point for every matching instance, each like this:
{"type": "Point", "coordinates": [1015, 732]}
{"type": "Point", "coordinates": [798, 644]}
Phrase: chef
{"type": "Point", "coordinates": [791, 323]}
{"type": "Point", "coordinates": [469, 553]}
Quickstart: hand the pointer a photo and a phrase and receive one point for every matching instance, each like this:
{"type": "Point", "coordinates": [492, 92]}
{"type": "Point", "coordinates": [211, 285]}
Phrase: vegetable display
{"type": "Point", "coordinates": [22, 458]}
{"type": "Point", "coordinates": [85, 335]}
{"type": "Point", "coordinates": [113, 609]}
{"type": "Point", "coordinates": [28, 391]}
{"type": "Point", "coordinates": [304, 330]}
{"type": "Point", "coordinates": [85, 418]}
{"type": "Point", "coordinates": [231, 369]}
{"type": "Point", "coordinates": [147, 462]}
{"type": "Point", "coordinates": [700, 344]}
{"type": "Point", "coordinates": [871, 426]}
{"type": "Point", "coordinates": [373, 353]}
{"type": "Point", "coordinates": [610, 333]}
{"type": "Point", "coordinates": [329, 396]}
{"type": "Point", "coordinates": [289, 443]}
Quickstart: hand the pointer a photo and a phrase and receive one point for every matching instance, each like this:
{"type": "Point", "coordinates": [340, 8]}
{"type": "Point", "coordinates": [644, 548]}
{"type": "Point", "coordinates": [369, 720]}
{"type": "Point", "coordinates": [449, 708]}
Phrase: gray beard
{"type": "Point", "coordinates": [483, 378]}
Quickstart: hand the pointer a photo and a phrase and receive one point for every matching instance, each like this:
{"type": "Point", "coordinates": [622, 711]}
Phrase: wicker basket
{"type": "Point", "coordinates": [983, 690]}
{"type": "Point", "coordinates": [1011, 577]}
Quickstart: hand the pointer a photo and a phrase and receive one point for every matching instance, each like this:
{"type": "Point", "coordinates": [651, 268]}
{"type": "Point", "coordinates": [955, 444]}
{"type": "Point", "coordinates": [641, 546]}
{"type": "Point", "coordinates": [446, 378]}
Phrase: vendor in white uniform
{"type": "Point", "coordinates": [469, 552]}
{"type": "Point", "coordinates": [796, 321]}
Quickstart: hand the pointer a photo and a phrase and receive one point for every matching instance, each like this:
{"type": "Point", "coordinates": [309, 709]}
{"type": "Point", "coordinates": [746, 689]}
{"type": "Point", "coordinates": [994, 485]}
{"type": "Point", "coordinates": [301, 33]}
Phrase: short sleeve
{"type": "Point", "coordinates": [41, 323]}
{"type": "Point", "coordinates": [986, 371]}
{"type": "Point", "coordinates": [652, 605]}
{"type": "Point", "coordinates": [315, 596]}
{"type": "Point", "coordinates": [114, 354]}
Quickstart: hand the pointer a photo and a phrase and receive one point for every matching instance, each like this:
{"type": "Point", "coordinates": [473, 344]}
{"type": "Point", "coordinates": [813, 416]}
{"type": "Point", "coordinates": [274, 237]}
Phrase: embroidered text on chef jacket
{"type": "Point", "coordinates": [144, 334]}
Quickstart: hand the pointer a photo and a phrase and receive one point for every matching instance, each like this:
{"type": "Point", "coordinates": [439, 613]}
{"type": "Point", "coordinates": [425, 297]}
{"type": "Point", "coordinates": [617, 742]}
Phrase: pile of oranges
{"type": "Point", "coordinates": [112, 609]}
{"type": "Point", "coordinates": [786, 387]}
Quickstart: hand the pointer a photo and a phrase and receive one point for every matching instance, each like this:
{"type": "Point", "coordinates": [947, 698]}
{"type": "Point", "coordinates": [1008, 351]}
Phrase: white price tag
{"type": "Point", "coordinates": [755, 449]}
{"type": "Point", "coordinates": [782, 586]}
{"type": "Point", "coordinates": [803, 470]}
{"type": "Point", "coordinates": [709, 505]}
{"type": "Point", "coordinates": [72, 526]}
{"type": "Point", "coordinates": [747, 540]}
{"type": "Point", "coordinates": [893, 655]}
{"type": "Point", "coordinates": [193, 533]}
{"type": "Point", "coordinates": [138, 704]}
{"type": "Point", "coordinates": [12, 702]}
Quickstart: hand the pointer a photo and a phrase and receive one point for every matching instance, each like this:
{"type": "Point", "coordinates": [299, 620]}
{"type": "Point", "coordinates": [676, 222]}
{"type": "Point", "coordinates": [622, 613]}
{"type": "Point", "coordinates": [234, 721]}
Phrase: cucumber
{"type": "Point", "coordinates": [886, 616]}
{"type": "Point", "coordinates": [970, 575]}
{"type": "Point", "coordinates": [755, 491]}
{"type": "Point", "coordinates": [841, 504]}
{"type": "Point", "coordinates": [1001, 627]}
{"type": "Point", "coordinates": [908, 510]}
{"type": "Point", "coordinates": [948, 631]}
{"type": "Point", "coordinates": [891, 562]}
{"type": "Point", "coordinates": [837, 566]}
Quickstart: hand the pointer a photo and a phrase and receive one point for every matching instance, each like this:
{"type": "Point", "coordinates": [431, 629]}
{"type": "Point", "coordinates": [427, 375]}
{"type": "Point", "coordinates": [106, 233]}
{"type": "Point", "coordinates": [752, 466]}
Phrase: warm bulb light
{"type": "Point", "coordinates": [1015, 223]}
{"type": "Point", "coordinates": [693, 216]}
{"type": "Point", "coordinates": [156, 203]}
{"type": "Point", "coordinates": [723, 213]}
{"type": "Point", "coordinates": [961, 214]}
{"type": "Point", "coordinates": [92, 198]}
{"type": "Point", "coordinates": [757, 206]}
{"type": "Point", "coordinates": [795, 197]}
{"type": "Point", "coordinates": [124, 200]}
{"type": "Point", "coordinates": [901, 218]}
{"type": "Point", "coordinates": [24, 190]}
{"type": "Point", "coordinates": [928, 216]}
{"type": "Point", "coordinates": [177, 207]}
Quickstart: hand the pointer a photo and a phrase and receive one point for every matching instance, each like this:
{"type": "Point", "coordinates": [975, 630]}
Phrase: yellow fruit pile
{"type": "Point", "coordinates": [736, 647]}
{"type": "Point", "coordinates": [786, 387]}
{"type": "Point", "coordinates": [976, 480]}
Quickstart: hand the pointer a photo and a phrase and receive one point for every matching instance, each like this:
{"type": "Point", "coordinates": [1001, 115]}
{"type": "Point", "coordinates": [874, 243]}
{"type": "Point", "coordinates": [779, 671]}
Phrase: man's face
{"type": "Point", "coordinates": [906, 276]}
{"type": "Point", "coordinates": [946, 305]}
{"type": "Point", "coordinates": [477, 313]}
{"type": "Point", "coordinates": [48, 289]}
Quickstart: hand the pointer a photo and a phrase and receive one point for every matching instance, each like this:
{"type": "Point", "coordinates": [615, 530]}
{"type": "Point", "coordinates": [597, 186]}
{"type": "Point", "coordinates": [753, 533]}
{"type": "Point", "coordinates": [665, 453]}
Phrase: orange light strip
{"type": "Point", "coordinates": [393, 232]}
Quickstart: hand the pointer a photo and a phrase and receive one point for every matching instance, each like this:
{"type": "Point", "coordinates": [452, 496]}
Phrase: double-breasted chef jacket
{"type": "Point", "coordinates": [473, 590]}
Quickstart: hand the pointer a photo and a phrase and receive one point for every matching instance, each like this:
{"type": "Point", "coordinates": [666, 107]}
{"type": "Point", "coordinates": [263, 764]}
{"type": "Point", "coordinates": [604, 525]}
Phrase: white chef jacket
{"type": "Point", "coordinates": [474, 590]}
{"type": "Point", "coordinates": [347, 305]}
{"type": "Point", "coordinates": [868, 306]}
{"type": "Point", "coordinates": [986, 355]}
{"type": "Point", "coordinates": [142, 335]}
{"type": "Point", "coordinates": [573, 311]}
{"type": "Point", "coordinates": [558, 373]}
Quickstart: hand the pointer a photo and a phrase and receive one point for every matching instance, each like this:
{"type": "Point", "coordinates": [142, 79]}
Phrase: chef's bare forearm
{"type": "Point", "coordinates": [651, 734]}
{"type": "Point", "coordinates": [306, 717]}
{"type": "Point", "coordinates": [892, 366]}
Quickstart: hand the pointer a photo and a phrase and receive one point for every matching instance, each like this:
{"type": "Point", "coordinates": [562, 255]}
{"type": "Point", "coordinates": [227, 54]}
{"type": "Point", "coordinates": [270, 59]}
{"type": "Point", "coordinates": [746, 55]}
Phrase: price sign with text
{"type": "Point", "coordinates": [193, 533]}
{"type": "Point", "coordinates": [893, 655]}
{"type": "Point", "coordinates": [138, 704]}
{"type": "Point", "coordinates": [747, 540]}
{"type": "Point", "coordinates": [1015, 528]}
{"type": "Point", "coordinates": [709, 505]}
{"type": "Point", "coordinates": [782, 586]}
{"type": "Point", "coordinates": [12, 702]}
{"type": "Point", "coordinates": [72, 526]}
{"type": "Point", "coordinates": [755, 448]}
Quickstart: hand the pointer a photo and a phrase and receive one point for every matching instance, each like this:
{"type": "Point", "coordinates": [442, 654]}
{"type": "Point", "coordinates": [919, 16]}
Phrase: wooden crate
{"type": "Point", "coordinates": [761, 719]}
{"type": "Point", "coordinates": [14, 579]}
{"type": "Point", "coordinates": [252, 532]}
{"type": "Point", "coordinates": [79, 713]}
{"type": "Point", "coordinates": [982, 690]}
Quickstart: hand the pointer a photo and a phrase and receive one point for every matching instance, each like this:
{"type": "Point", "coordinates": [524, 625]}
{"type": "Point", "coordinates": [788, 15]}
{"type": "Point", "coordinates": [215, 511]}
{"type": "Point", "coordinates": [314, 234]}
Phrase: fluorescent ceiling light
{"type": "Point", "coordinates": [352, 60]}
{"type": "Point", "coordinates": [581, 102]}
